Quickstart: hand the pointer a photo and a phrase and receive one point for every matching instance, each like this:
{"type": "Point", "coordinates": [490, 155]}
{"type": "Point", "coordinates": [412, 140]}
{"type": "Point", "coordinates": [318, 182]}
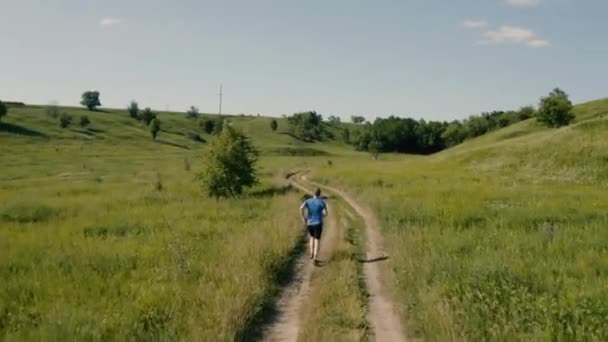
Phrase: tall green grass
{"type": "Point", "coordinates": [488, 255]}
{"type": "Point", "coordinates": [111, 238]}
{"type": "Point", "coordinates": [500, 238]}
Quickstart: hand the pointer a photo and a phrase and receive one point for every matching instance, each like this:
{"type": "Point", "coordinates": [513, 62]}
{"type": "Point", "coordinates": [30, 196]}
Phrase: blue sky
{"type": "Point", "coordinates": [429, 59]}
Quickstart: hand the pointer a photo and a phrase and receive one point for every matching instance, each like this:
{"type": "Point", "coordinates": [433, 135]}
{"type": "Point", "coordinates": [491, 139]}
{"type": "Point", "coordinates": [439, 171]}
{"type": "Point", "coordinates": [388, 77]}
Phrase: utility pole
{"type": "Point", "coordinates": [220, 94]}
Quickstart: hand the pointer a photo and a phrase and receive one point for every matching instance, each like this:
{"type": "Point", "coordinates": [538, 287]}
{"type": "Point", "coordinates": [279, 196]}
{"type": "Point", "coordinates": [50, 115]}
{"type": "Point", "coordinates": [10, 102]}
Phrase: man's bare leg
{"type": "Point", "coordinates": [311, 247]}
{"type": "Point", "coordinates": [317, 246]}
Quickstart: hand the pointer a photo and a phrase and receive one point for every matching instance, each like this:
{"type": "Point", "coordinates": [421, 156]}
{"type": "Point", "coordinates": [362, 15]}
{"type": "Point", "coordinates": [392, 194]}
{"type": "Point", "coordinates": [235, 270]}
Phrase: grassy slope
{"type": "Point", "coordinates": [95, 251]}
{"type": "Point", "coordinates": [91, 249]}
{"type": "Point", "coordinates": [485, 238]}
{"type": "Point", "coordinates": [501, 238]}
{"type": "Point", "coordinates": [575, 153]}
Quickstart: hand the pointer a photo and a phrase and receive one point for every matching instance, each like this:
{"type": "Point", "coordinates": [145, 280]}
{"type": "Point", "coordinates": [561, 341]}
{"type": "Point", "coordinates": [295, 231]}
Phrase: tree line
{"type": "Point", "coordinates": [406, 135]}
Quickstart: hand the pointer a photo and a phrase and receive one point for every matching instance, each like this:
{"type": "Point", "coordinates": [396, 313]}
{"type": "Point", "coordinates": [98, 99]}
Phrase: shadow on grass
{"type": "Point", "coordinates": [85, 132]}
{"type": "Point", "coordinates": [16, 129]}
{"type": "Point", "coordinates": [164, 142]}
{"type": "Point", "coordinates": [99, 110]}
{"type": "Point", "coordinates": [267, 312]}
{"type": "Point", "coordinates": [291, 135]}
{"type": "Point", "coordinates": [369, 261]}
{"type": "Point", "coordinates": [272, 191]}
{"type": "Point", "coordinates": [96, 130]}
{"type": "Point", "coordinates": [320, 263]}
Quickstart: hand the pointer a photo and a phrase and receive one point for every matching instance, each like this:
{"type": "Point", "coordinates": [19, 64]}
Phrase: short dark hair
{"type": "Point", "coordinates": [318, 192]}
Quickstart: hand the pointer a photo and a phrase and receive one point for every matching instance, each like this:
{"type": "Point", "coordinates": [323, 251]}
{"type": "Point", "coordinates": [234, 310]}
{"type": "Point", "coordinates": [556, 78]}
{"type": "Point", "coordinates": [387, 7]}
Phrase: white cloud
{"type": "Point", "coordinates": [106, 22]}
{"type": "Point", "coordinates": [509, 34]}
{"type": "Point", "coordinates": [538, 43]}
{"type": "Point", "coordinates": [475, 24]}
{"type": "Point", "coordinates": [523, 3]}
{"type": "Point", "coordinates": [514, 35]}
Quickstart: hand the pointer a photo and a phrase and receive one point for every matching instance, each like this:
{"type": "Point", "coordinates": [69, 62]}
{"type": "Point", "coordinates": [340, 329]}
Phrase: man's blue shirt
{"type": "Point", "coordinates": [315, 207]}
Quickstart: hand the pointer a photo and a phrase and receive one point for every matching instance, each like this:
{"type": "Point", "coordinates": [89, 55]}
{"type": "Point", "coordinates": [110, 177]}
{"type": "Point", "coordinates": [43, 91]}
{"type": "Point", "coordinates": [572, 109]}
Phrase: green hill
{"type": "Point", "coordinates": [500, 238]}
{"type": "Point", "coordinates": [575, 153]}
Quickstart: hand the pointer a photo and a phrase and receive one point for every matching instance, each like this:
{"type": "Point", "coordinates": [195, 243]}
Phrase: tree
{"type": "Point", "coordinates": [206, 125]}
{"type": "Point", "coordinates": [154, 127]}
{"type": "Point", "coordinates": [192, 113]}
{"type": "Point", "coordinates": [3, 109]}
{"type": "Point", "coordinates": [346, 135]}
{"type": "Point", "coordinates": [361, 139]}
{"type": "Point", "coordinates": [555, 110]}
{"type": "Point", "coordinates": [504, 120]}
{"type": "Point", "coordinates": [65, 120]}
{"type": "Point", "coordinates": [84, 121]}
{"type": "Point", "coordinates": [334, 120]}
{"type": "Point", "coordinates": [230, 166]}
{"type": "Point", "coordinates": [133, 110]}
{"type": "Point", "coordinates": [454, 134]}
{"type": "Point", "coordinates": [357, 119]}
{"type": "Point", "coordinates": [90, 99]}
{"type": "Point", "coordinates": [274, 125]}
{"type": "Point", "coordinates": [375, 147]}
{"type": "Point", "coordinates": [525, 113]}
{"type": "Point", "coordinates": [148, 115]}
{"type": "Point", "coordinates": [306, 126]}
{"type": "Point", "coordinates": [476, 125]}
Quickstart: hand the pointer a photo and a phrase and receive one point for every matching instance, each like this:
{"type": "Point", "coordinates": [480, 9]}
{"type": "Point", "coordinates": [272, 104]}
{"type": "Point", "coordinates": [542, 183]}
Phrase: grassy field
{"type": "Point", "coordinates": [105, 234]}
{"type": "Point", "coordinates": [501, 238]}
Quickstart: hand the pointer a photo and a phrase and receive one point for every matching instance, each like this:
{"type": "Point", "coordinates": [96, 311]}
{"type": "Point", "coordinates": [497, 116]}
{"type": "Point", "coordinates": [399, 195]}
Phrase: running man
{"type": "Point", "coordinates": [316, 209]}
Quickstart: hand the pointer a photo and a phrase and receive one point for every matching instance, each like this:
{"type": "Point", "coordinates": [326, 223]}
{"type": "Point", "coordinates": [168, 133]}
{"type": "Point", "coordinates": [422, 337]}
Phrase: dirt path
{"type": "Point", "coordinates": [382, 316]}
{"type": "Point", "coordinates": [286, 325]}
{"type": "Point", "coordinates": [291, 304]}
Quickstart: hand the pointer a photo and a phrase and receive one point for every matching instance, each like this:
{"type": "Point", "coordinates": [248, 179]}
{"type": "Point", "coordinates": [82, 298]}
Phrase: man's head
{"type": "Point", "coordinates": [318, 193]}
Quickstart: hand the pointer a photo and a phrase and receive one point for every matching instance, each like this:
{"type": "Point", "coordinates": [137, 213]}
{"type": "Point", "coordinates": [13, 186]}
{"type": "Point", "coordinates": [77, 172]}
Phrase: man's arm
{"type": "Point", "coordinates": [303, 211]}
{"type": "Point", "coordinates": [325, 210]}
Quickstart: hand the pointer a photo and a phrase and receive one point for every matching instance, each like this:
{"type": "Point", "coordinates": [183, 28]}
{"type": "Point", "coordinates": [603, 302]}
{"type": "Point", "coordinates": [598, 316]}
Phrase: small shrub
{"type": "Point", "coordinates": [298, 151]}
{"type": "Point", "coordinates": [133, 110]}
{"type": "Point", "coordinates": [52, 111]}
{"type": "Point", "coordinates": [195, 137]}
{"type": "Point", "coordinates": [154, 128]}
{"type": "Point", "coordinates": [375, 147]}
{"type": "Point", "coordinates": [274, 125]}
{"type": "Point", "coordinates": [218, 126]}
{"type": "Point", "coordinates": [158, 184]}
{"type": "Point", "coordinates": [147, 116]}
{"type": "Point", "coordinates": [120, 229]}
{"type": "Point", "coordinates": [187, 164]}
{"type": "Point", "coordinates": [84, 121]}
{"type": "Point", "coordinates": [27, 213]}
{"type": "Point", "coordinates": [345, 135]}
{"type": "Point", "coordinates": [231, 165]}
{"type": "Point", "coordinates": [207, 125]}
{"type": "Point", "coordinates": [65, 120]}
{"type": "Point", "coordinates": [192, 113]}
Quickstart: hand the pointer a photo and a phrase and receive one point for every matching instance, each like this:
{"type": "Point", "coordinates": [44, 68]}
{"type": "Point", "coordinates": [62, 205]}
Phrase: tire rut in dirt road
{"type": "Point", "coordinates": [287, 323]}
{"type": "Point", "coordinates": [382, 316]}
{"type": "Point", "coordinates": [291, 304]}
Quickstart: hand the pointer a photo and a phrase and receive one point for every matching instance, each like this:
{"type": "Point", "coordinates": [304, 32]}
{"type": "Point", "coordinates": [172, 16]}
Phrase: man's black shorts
{"type": "Point", "coordinates": [315, 230]}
